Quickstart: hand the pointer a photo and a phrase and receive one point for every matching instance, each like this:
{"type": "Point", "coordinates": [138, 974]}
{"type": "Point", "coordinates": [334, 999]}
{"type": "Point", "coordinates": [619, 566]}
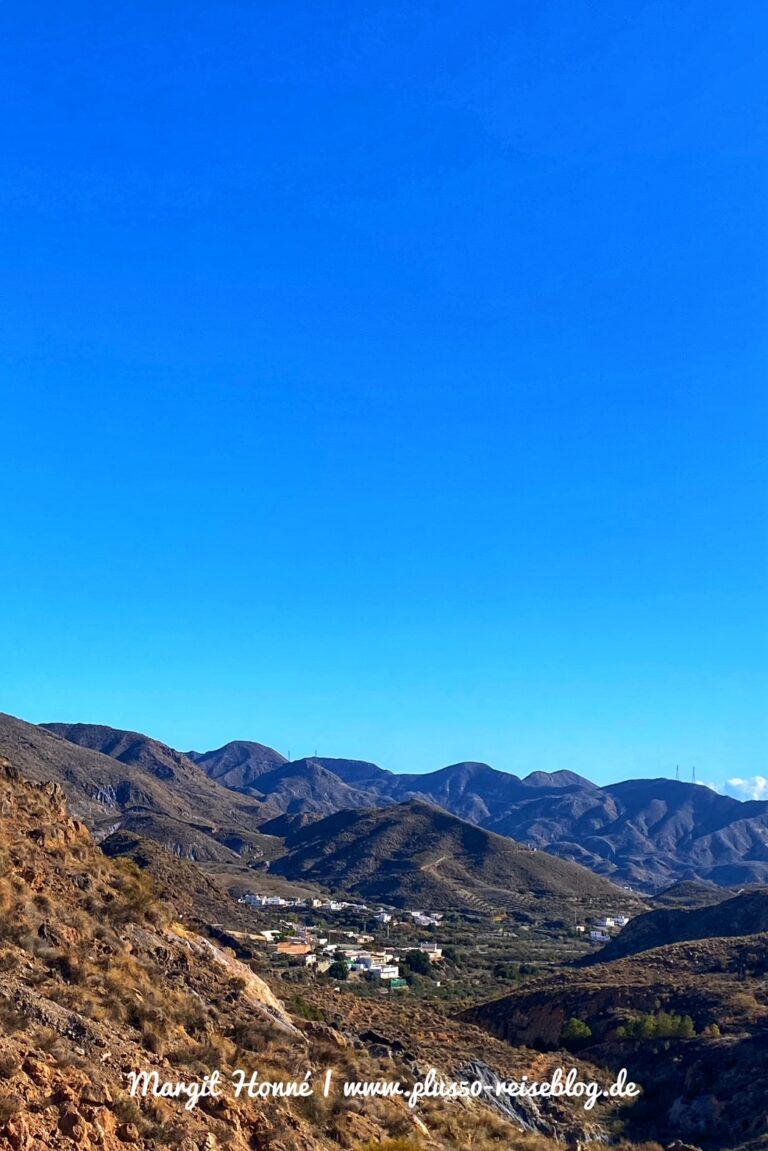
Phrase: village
{"type": "Point", "coordinates": [357, 943]}
{"type": "Point", "coordinates": [343, 952]}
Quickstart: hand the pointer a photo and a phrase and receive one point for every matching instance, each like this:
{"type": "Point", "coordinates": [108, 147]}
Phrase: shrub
{"type": "Point", "coordinates": [399, 1144]}
{"type": "Point", "coordinates": [137, 899]}
{"type": "Point", "coordinates": [298, 1005]}
{"type": "Point", "coordinates": [575, 1034]}
{"type": "Point", "coordinates": [9, 1066]}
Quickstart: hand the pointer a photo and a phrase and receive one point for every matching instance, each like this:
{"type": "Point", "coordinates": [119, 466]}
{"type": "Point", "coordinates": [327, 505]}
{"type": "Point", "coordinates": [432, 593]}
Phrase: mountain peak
{"type": "Point", "coordinates": [560, 778]}
{"type": "Point", "coordinates": [239, 763]}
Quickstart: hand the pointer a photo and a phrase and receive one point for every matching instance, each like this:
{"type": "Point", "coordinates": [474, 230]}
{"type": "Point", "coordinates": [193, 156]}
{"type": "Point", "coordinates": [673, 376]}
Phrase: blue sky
{"type": "Point", "coordinates": [388, 380]}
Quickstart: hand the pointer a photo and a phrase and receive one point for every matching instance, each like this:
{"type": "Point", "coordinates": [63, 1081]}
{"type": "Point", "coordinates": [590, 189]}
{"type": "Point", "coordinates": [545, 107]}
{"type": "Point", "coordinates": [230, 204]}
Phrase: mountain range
{"type": "Point", "coordinates": [647, 833]}
{"type": "Point", "coordinates": [127, 786]}
{"type": "Point", "coordinates": [227, 804]}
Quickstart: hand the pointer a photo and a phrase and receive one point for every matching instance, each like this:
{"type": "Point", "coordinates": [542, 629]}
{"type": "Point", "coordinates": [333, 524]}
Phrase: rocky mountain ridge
{"type": "Point", "coordinates": [645, 833]}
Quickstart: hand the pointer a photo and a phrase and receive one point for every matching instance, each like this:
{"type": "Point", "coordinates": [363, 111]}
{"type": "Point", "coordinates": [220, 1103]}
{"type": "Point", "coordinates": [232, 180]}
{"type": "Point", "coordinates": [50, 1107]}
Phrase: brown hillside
{"type": "Point", "coordinates": [172, 797]}
{"type": "Point", "coordinates": [415, 855]}
{"type": "Point", "coordinates": [743, 914]}
{"type": "Point", "coordinates": [100, 979]}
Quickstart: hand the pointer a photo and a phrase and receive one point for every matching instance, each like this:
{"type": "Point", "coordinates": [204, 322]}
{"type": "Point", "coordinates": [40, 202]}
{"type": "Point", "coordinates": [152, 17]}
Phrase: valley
{"type": "Point", "coordinates": [154, 912]}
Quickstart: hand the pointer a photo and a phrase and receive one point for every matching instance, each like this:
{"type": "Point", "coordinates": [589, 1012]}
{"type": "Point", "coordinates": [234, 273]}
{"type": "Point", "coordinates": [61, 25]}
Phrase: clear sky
{"type": "Point", "coordinates": [389, 379]}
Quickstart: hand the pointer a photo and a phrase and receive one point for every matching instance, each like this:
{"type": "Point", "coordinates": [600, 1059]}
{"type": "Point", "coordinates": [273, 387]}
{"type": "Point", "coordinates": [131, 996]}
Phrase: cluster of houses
{"type": "Point", "coordinates": [318, 953]}
{"type": "Point", "coordinates": [600, 929]}
{"type": "Point", "coordinates": [382, 965]}
{"type": "Point", "coordinates": [253, 899]}
{"type": "Point", "coordinates": [383, 916]}
{"type": "Point", "coordinates": [307, 943]}
{"type": "Point", "coordinates": [375, 964]}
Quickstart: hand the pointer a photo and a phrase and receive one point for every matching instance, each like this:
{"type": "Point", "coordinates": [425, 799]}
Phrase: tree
{"type": "Point", "coordinates": [338, 969]}
{"type": "Point", "coordinates": [418, 962]}
{"type": "Point", "coordinates": [575, 1034]}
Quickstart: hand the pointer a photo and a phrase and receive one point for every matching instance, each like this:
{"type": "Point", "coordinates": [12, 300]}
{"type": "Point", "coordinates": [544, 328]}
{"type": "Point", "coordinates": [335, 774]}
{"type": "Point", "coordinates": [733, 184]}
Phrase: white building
{"type": "Point", "coordinates": [434, 952]}
{"type": "Point", "coordinates": [385, 970]}
{"type": "Point", "coordinates": [422, 919]}
{"type": "Point", "coordinates": [252, 899]}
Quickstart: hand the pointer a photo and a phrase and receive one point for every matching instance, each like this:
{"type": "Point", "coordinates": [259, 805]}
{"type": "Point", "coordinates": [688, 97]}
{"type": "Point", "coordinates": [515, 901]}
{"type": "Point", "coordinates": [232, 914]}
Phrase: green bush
{"type": "Point", "coordinates": [575, 1034]}
{"type": "Point", "coordinates": [663, 1025]}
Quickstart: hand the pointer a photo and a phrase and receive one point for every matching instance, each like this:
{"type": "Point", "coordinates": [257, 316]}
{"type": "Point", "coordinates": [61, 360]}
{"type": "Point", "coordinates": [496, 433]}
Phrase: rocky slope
{"type": "Point", "coordinates": [305, 787]}
{"type": "Point", "coordinates": [197, 896]}
{"type": "Point", "coordinates": [136, 783]}
{"type": "Point", "coordinates": [149, 776]}
{"type": "Point", "coordinates": [98, 980]}
{"type": "Point", "coordinates": [690, 893]}
{"type": "Point", "coordinates": [238, 764]}
{"type": "Point", "coordinates": [101, 979]}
